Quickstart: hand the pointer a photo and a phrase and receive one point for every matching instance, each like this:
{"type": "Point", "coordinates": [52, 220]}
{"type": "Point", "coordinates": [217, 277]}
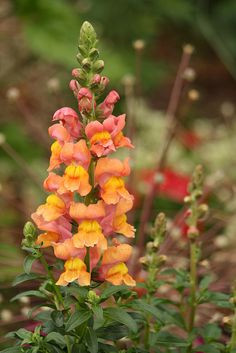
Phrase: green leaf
{"type": "Point", "coordinates": [204, 283]}
{"type": "Point", "coordinates": [79, 348]}
{"type": "Point", "coordinates": [120, 315]}
{"type": "Point", "coordinates": [207, 348]}
{"type": "Point", "coordinates": [58, 318]}
{"type": "Point", "coordinates": [107, 348]}
{"type": "Point", "coordinates": [147, 308]}
{"type": "Point", "coordinates": [77, 319]}
{"type": "Point", "coordinates": [108, 292]}
{"type": "Point", "coordinates": [23, 334]}
{"type": "Point", "coordinates": [56, 337]}
{"type": "Point", "coordinates": [12, 350]}
{"type": "Point", "coordinates": [91, 340]}
{"type": "Point", "coordinates": [219, 299]}
{"type": "Point", "coordinates": [28, 262]}
{"type": "Point", "coordinates": [112, 332]}
{"type": "Point", "coordinates": [210, 332]}
{"type": "Point", "coordinates": [26, 277]}
{"type": "Point", "coordinates": [167, 339]}
{"type": "Point", "coordinates": [29, 293]}
{"type": "Point", "coordinates": [99, 318]}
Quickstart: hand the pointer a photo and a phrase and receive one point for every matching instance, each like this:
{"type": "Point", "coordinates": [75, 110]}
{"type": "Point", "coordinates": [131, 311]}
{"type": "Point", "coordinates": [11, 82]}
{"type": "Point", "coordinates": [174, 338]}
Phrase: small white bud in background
{"type": "Point", "coordinates": [139, 44]}
{"type": "Point", "coordinates": [24, 300]}
{"type": "Point", "coordinates": [25, 311]}
{"type": "Point", "coordinates": [53, 85]}
{"type": "Point", "coordinates": [13, 94]}
{"type": "Point", "coordinates": [189, 74]}
{"type": "Point", "coordinates": [188, 48]}
{"type": "Point", "coordinates": [6, 315]}
{"type": "Point", "coordinates": [227, 109]}
{"type": "Point", "coordinates": [222, 241]}
{"type": "Point", "coordinates": [193, 95]}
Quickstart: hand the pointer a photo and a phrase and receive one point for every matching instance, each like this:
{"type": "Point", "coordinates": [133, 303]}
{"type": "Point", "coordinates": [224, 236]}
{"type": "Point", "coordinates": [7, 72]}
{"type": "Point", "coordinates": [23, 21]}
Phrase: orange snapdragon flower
{"type": "Point", "coordinates": [52, 209]}
{"type": "Point", "coordinates": [108, 175]}
{"type": "Point", "coordinates": [75, 269]}
{"type": "Point", "coordinates": [55, 159]}
{"type": "Point", "coordinates": [118, 274]}
{"type": "Point", "coordinates": [89, 230]}
{"type": "Point", "coordinates": [76, 178]}
{"type": "Point", "coordinates": [113, 268]}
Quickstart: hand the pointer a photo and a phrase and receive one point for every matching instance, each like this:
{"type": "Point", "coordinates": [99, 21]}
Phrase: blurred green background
{"type": "Point", "coordinates": [38, 40]}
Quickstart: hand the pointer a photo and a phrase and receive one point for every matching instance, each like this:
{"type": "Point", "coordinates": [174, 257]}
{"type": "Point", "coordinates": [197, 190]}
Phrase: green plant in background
{"type": "Point", "coordinates": [84, 314]}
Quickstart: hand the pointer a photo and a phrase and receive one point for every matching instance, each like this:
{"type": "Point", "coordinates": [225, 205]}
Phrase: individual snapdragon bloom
{"type": "Point", "coordinates": [75, 270]}
{"type": "Point", "coordinates": [106, 137]}
{"type": "Point", "coordinates": [107, 106]}
{"type": "Point", "coordinates": [89, 230]}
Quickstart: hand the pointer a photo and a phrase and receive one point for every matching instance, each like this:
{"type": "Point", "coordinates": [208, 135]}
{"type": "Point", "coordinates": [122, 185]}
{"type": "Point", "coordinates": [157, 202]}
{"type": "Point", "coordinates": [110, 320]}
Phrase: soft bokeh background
{"type": "Point", "coordinates": [38, 40]}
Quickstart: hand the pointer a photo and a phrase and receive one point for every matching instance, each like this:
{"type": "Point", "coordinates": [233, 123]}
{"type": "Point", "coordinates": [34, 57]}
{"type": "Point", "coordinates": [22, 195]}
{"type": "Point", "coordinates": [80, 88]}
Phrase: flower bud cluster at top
{"type": "Point", "coordinates": [88, 200]}
{"type": "Point", "coordinates": [196, 210]}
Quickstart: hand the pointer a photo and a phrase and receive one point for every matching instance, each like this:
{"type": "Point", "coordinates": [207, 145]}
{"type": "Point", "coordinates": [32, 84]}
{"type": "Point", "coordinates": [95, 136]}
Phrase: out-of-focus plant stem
{"type": "Point", "coordinates": [232, 343]}
{"type": "Point", "coordinates": [170, 133]}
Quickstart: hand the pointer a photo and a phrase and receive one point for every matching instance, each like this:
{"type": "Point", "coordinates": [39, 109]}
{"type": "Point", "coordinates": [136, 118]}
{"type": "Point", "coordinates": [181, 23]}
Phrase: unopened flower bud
{"type": "Point", "coordinates": [85, 98]}
{"type": "Point", "coordinates": [187, 199]}
{"type": "Point", "coordinates": [29, 230]}
{"type": "Point", "coordinates": [6, 315]}
{"type": "Point", "coordinates": [92, 297]}
{"type": "Point", "coordinates": [162, 259]}
{"type": "Point", "coordinates": [193, 95]}
{"type": "Point", "coordinates": [188, 48]}
{"type": "Point", "coordinates": [104, 81]}
{"type": "Point", "coordinates": [202, 210]}
{"type": "Point", "coordinates": [139, 44]}
{"type": "Point", "coordinates": [86, 64]}
{"type": "Point", "coordinates": [98, 66]}
{"type": "Point", "coordinates": [193, 232]}
{"type": "Point", "coordinates": [53, 84]}
{"type": "Point", "coordinates": [76, 73]}
{"type": "Point", "coordinates": [96, 79]}
{"type": "Point", "coordinates": [74, 86]}
{"type": "Point", "coordinates": [189, 74]}
{"type": "Point", "coordinates": [227, 320]}
{"type": "Point", "coordinates": [94, 54]}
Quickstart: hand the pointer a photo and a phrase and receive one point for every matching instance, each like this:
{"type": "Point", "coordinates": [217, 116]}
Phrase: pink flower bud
{"type": "Point", "coordinates": [69, 119]}
{"type": "Point", "coordinates": [85, 100]}
{"type": "Point", "coordinates": [75, 73]}
{"type": "Point", "coordinates": [107, 105]}
{"type": "Point", "coordinates": [104, 81]}
{"type": "Point", "coordinates": [74, 86]}
{"type": "Point", "coordinates": [96, 79]}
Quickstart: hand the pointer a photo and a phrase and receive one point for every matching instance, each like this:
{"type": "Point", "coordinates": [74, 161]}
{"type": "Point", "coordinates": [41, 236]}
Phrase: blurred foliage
{"type": "Point", "coordinates": [51, 28]}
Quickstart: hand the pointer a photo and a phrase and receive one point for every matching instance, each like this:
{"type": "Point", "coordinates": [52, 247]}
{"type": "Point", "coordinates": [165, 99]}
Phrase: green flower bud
{"type": "Point", "coordinates": [98, 66]}
{"type": "Point", "coordinates": [94, 54]}
{"type": "Point", "coordinates": [92, 297]}
{"type": "Point", "coordinates": [88, 36]}
{"type": "Point", "coordinates": [86, 64]}
{"type": "Point", "coordinates": [29, 230]}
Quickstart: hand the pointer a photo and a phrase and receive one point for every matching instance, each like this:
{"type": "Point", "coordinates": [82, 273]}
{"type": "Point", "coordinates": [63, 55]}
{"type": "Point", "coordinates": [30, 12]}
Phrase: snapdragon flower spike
{"type": "Point", "coordinates": [87, 188]}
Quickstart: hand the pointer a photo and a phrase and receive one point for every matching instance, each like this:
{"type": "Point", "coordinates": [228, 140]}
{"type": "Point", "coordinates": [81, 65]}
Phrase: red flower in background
{"type": "Point", "coordinates": [173, 186]}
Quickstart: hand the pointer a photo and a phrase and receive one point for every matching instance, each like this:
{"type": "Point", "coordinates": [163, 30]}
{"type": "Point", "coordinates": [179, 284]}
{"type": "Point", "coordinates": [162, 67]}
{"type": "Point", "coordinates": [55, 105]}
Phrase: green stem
{"type": "Point", "coordinates": [68, 344]}
{"type": "Point", "coordinates": [147, 329]}
{"type": "Point", "coordinates": [232, 343]}
{"type": "Point", "coordinates": [58, 296]}
{"type": "Point", "coordinates": [193, 288]}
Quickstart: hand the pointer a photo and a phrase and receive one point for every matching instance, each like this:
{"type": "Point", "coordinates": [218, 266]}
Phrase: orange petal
{"type": "Point", "coordinates": [80, 211]}
{"type": "Point", "coordinates": [47, 239]}
{"type": "Point", "coordinates": [129, 281]}
{"type": "Point", "coordinates": [114, 254]}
